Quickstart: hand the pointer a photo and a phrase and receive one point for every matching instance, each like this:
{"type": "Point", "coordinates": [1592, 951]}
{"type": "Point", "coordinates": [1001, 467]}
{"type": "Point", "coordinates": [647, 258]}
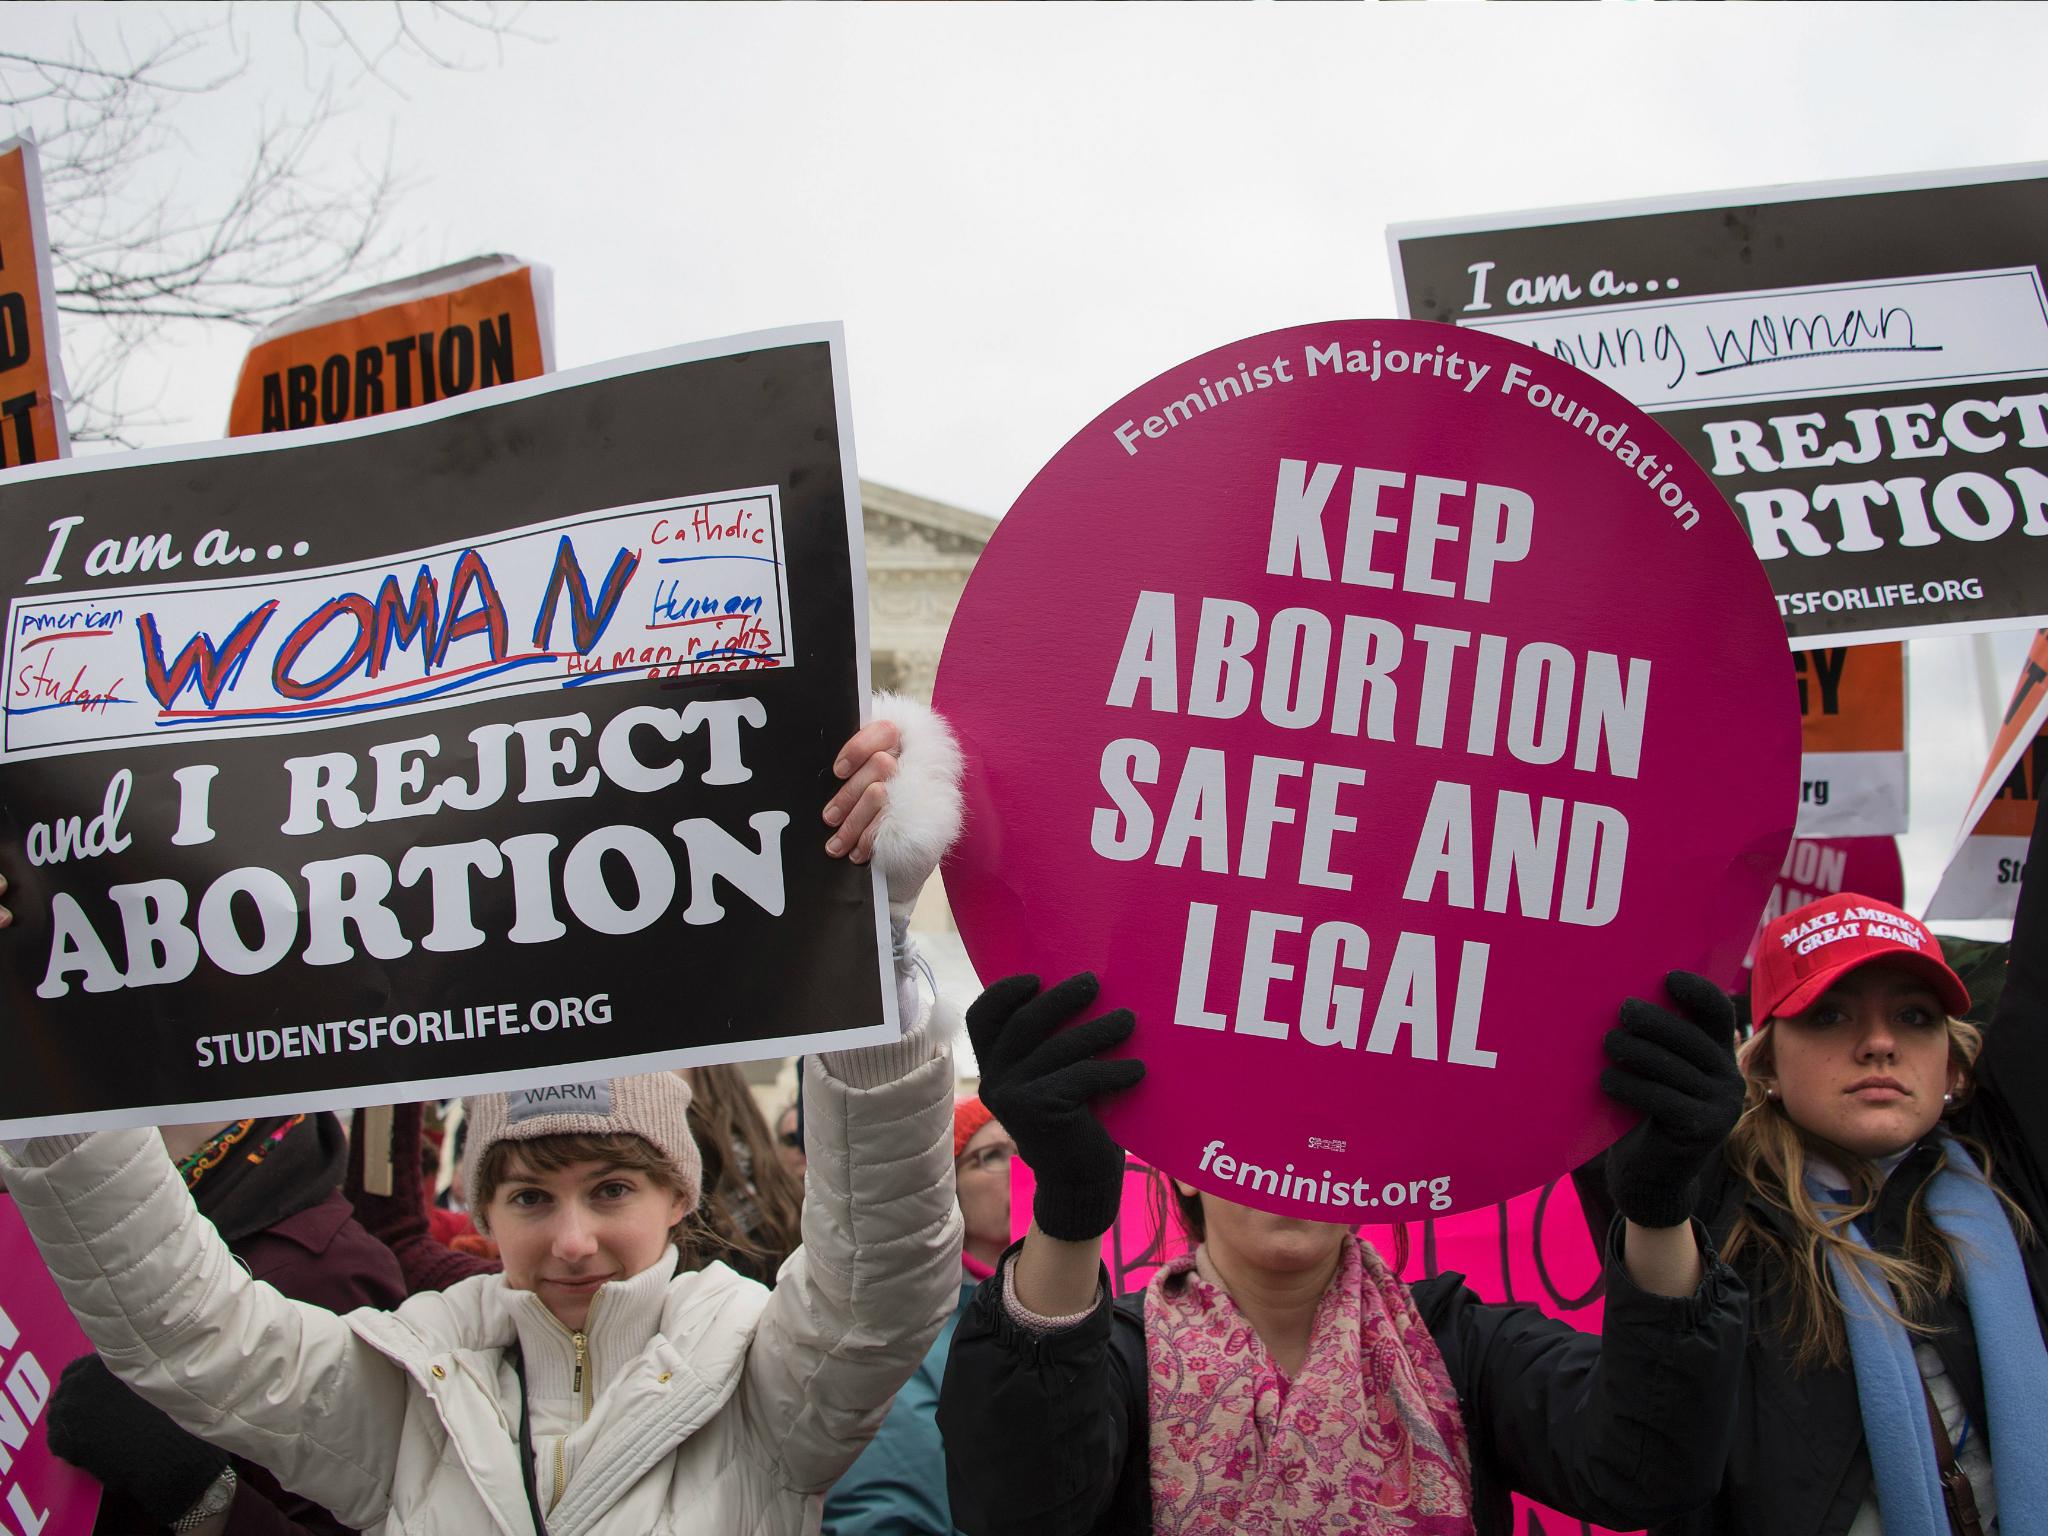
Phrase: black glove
{"type": "Point", "coordinates": [1038, 1084]}
{"type": "Point", "coordinates": [99, 1425]}
{"type": "Point", "coordinates": [1681, 1073]}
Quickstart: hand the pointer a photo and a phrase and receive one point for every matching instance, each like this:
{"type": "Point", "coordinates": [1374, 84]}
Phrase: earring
{"type": "Point", "coordinates": [1948, 1098]}
{"type": "Point", "coordinates": [1770, 1093]}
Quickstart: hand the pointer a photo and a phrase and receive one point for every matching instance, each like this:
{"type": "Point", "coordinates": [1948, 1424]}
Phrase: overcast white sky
{"type": "Point", "coordinates": [1020, 213]}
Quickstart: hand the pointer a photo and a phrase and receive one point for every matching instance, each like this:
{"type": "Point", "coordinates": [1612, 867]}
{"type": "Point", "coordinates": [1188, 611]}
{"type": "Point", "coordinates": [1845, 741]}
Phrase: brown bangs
{"type": "Point", "coordinates": [551, 1154]}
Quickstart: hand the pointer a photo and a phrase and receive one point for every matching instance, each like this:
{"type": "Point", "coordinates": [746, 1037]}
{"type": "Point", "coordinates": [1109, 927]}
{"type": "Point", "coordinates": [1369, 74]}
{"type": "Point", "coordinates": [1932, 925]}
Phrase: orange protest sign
{"type": "Point", "coordinates": [1983, 875]}
{"type": "Point", "coordinates": [1852, 722]}
{"type": "Point", "coordinates": [2011, 786]}
{"type": "Point", "coordinates": [2025, 713]}
{"type": "Point", "coordinates": [2010, 811]}
{"type": "Point", "coordinates": [400, 344]}
{"type": "Point", "coordinates": [31, 372]}
{"type": "Point", "coordinates": [1852, 698]}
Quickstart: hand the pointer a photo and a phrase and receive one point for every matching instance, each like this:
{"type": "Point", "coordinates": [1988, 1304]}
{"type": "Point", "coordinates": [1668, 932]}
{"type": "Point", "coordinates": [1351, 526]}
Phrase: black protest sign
{"type": "Point", "coordinates": [401, 756]}
{"type": "Point", "coordinates": [1862, 366]}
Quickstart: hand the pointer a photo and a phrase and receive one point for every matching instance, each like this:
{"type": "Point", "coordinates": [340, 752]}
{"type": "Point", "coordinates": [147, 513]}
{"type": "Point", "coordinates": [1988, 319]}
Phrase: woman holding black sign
{"type": "Point", "coordinates": [1282, 1378]}
{"type": "Point", "coordinates": [591, 1387]}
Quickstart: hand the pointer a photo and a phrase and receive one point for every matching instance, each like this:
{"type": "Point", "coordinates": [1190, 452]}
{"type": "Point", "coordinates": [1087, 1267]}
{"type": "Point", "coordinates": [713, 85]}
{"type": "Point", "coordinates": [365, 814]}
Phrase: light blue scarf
{"type": "Point", "coordinates": [2009, 1350]}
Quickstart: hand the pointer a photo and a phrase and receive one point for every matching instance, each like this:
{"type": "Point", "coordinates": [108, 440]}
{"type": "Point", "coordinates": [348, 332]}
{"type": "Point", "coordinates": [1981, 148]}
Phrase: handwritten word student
{"type": "Point", "coordinates": [1281, 1378]}
{"type": "Point", "coordinates": [1884, 1196]}
{"type": "Point", "coordinates": [590, 1387]}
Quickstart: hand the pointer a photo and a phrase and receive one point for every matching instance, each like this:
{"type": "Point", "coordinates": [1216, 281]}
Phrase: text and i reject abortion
{"type": "Point", "coordinates": [1455, 688]}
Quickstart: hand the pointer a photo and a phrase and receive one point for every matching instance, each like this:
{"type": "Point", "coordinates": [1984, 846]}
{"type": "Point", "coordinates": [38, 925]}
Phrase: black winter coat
{"type": "Point", "coordinates": [1047, 1436]}
{"type": "Point", "coordinates": [1799, 1465]}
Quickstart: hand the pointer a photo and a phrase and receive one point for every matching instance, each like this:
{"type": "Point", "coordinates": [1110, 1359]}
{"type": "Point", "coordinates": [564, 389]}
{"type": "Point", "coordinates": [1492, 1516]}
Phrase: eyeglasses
{"type": "Point", "coordinates": [994, 1158]}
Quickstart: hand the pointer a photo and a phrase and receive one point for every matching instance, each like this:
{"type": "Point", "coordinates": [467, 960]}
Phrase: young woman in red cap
{"type": "Point", "coordinates": [1883, 1197]}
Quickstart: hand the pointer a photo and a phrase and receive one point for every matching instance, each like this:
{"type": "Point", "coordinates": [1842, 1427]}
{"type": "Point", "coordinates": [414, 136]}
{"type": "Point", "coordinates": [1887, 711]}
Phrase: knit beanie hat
{"type": "Point", "coordinates": [654, 1106]}
{"type": "Point", "coordinates": [969, 1116]}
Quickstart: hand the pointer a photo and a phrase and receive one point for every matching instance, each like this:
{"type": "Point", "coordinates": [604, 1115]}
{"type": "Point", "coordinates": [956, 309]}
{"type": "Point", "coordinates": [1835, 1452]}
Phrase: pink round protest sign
{"type": "Point", "coordinates": [1372, 705]}
{"type": "Point", "coordinates": [1815, 867]}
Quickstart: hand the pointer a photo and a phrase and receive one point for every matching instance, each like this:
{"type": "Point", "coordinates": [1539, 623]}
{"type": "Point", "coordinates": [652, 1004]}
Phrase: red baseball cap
{"type": "Point", "coordinates": [1803, 953]}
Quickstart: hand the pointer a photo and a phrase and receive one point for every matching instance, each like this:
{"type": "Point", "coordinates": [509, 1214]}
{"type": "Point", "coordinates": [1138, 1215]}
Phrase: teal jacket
{"type": "Point", "coordinates": [897, 1486]}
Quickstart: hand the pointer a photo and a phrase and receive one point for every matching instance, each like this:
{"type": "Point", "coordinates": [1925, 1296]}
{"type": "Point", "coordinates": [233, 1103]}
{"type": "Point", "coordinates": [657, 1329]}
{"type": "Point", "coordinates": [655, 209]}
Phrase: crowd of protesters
{"type": "Point", "coordinates": [650, 1308]}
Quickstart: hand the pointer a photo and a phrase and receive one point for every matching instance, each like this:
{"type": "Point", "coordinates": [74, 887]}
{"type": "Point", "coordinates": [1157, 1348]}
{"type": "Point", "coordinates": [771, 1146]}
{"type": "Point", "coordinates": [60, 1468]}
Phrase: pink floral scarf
{"type": "Point", "coordinates": [1367, 1438]}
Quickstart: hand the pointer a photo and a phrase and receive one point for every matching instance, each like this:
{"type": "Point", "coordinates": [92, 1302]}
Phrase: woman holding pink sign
{"type": "Point", "coordinates": [1884, 1197]}
{"type": "Point", "coordinates": [1281, 1378]}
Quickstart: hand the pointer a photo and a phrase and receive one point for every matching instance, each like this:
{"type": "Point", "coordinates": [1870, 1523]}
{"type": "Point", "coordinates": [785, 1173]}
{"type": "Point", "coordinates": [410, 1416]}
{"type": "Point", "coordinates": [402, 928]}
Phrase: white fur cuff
{"type": "Point", "coordinates": [923, 817]}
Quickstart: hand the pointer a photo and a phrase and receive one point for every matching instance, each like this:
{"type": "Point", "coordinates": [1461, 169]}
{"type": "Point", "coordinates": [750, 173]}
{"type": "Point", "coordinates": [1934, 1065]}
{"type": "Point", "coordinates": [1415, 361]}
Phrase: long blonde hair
{"type": "Point", "coordinates": [1771, 1152]}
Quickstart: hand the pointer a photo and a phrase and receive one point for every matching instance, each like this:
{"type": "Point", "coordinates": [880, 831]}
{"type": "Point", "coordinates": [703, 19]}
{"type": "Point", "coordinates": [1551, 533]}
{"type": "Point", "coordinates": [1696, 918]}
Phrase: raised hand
{"type": "Point", "coordinates": [1039, 1080]}
{"type": "Point", "coordinates": [900, 802]}
{"type": "Point", "coordinates": [1679, 1070]}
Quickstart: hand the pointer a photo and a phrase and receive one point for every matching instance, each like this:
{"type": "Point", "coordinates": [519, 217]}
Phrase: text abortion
{"type": "Point", "coordinates": [1542, 858]}
{"type": "Point", "coordinates": [348, 386]}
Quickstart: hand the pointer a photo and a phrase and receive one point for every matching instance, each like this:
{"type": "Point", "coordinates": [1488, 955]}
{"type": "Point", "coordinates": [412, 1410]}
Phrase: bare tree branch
{"type": "Point", "coordinates": [350, 28]}
{"type": "Point", "coordinates": [139, 242]}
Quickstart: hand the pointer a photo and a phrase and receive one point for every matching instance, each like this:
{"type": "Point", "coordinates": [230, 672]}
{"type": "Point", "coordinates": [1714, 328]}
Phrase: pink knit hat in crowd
{"type": "Point", "coordinates": [654, 1106]}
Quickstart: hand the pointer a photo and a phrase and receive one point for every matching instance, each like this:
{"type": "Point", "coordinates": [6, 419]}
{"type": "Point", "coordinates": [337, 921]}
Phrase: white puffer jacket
{"type": "Point", "coordinates": [731, 1417]}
